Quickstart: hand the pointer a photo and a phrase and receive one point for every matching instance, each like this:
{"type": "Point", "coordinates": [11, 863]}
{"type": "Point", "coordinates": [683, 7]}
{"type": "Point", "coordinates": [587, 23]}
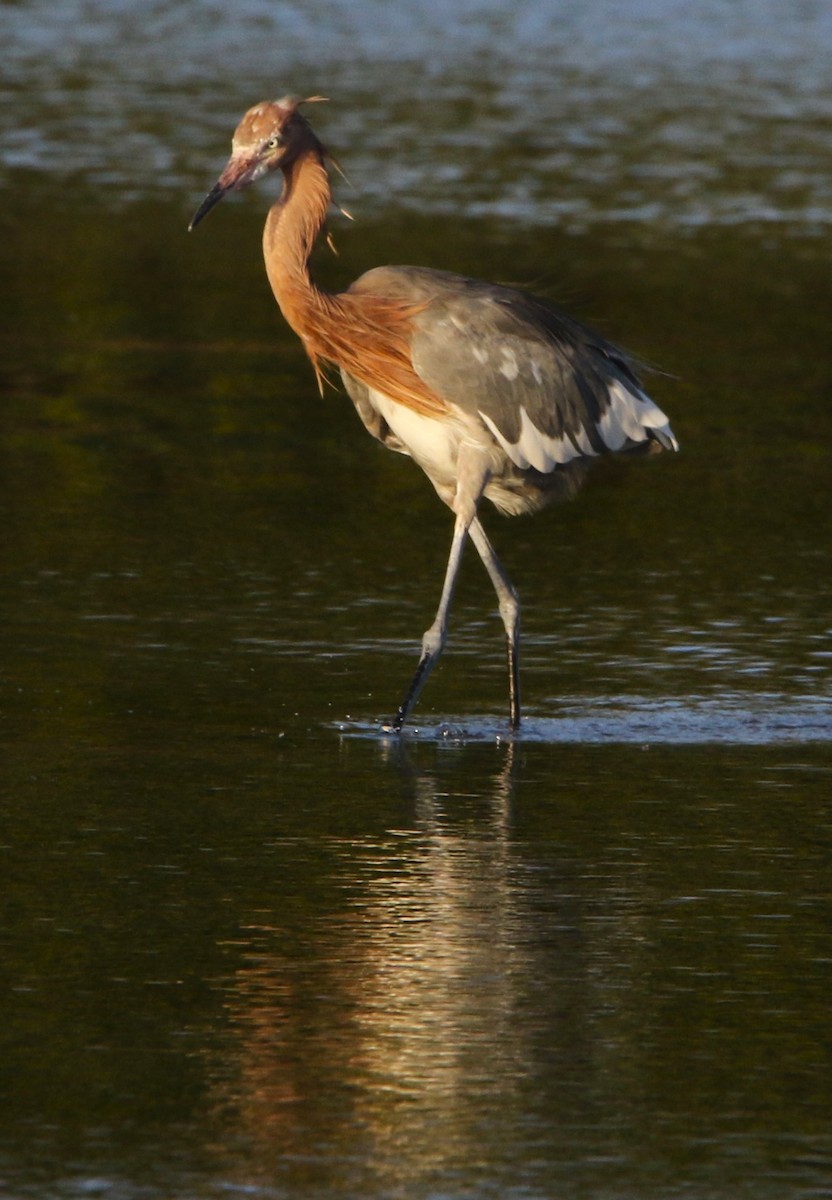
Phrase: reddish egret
{"type": "Point", "coordinates": [492, 391]}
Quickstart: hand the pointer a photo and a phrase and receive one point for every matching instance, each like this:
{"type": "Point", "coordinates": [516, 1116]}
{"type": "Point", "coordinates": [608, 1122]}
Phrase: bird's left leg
{"type": "Point", "coordinates": [472, 475]}
{"type": "Point", "coordinates": [509, 604]}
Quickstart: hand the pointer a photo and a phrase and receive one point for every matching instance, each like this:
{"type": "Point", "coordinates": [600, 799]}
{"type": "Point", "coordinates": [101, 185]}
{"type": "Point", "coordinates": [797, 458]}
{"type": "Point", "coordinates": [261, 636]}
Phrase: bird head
{"type": "Point", "coordinates": [270, 135]}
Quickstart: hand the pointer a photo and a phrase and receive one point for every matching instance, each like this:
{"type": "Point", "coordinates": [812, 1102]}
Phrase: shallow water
{"type": "Point", "coordinates": [254, 945]}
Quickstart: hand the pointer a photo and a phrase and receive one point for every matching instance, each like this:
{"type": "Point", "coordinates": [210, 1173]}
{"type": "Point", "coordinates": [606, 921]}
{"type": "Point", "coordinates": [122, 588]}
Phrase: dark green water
{"type": "Point", "coordinates": [250, 945]}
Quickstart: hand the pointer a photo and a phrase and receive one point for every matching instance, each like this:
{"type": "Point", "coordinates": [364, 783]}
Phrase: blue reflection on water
{"type": "Point", "coordinates": [700, 113]}
{"type": "Point", "coordinates": [739, 720]}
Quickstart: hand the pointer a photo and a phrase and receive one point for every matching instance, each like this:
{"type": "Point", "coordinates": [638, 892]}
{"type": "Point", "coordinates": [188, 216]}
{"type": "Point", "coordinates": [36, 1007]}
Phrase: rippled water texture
{"type": "Point", "coordinates": [251, 944]}
{"type": "Point", "coordinates": [702, 113]}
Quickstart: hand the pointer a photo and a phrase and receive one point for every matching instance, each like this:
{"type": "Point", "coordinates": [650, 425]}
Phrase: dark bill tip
{"type": "Point", "coordinates": [214, 196]}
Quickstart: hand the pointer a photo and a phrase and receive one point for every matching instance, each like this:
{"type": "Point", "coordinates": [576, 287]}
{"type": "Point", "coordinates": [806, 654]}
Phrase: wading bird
{"type": "Point", "coordinates": [493, 392]}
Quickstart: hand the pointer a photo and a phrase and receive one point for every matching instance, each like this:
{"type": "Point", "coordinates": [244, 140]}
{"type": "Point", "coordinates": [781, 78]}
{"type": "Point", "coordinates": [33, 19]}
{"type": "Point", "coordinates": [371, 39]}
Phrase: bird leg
{"type": "Point", "coordinates": [433, 641]}
{"type": "Point", "coordinates": [472, 476]}
{"type": "Point", "coordinates": [509, 604]}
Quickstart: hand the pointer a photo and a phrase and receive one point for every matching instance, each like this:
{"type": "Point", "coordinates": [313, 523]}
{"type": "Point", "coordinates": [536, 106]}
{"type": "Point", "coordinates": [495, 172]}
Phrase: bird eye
{"type": "Point", "coordinates": [273, 142]}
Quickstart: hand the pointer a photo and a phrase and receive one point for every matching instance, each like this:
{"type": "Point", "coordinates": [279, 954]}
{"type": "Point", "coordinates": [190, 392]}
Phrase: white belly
{"type": "Point", "coordinates": [434, 444]}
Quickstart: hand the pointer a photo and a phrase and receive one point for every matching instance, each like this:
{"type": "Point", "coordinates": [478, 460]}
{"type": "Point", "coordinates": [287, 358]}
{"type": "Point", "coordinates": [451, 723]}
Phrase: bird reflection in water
{"type": "Point", "coordinates": [378, 1039]}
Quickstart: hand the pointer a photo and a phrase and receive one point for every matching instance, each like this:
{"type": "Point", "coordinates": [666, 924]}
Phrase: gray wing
{"type": "Point", "coordinates": [549, 388]}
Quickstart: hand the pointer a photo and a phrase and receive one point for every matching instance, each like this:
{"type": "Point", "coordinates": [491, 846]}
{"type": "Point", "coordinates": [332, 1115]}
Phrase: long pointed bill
{"type": "Point", "coordinates": [239, 173]}
{"type": "Point", "coordinates": [214, 196]}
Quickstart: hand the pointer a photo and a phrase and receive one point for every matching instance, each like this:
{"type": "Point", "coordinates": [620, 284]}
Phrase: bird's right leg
{"type": "Point", "coordinates": [471, 479]}
{"type": "Point", "coordinates": [509, 604]}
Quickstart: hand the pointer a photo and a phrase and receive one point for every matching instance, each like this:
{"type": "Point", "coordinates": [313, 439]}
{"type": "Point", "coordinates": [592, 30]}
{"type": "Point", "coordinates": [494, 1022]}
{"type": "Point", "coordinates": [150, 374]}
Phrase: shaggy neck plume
{"type": "Point", "coordinates": [366, 336]}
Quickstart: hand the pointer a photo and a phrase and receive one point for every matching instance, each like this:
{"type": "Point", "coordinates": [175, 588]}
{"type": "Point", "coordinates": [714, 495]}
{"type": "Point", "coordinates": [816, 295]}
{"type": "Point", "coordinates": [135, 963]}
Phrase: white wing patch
{"type": "Point", "coordinates": [631, 418]}
{"type": "Point", "coordinates": [537, 449]}
{"type": "Point", "coordinates": [508, 366]}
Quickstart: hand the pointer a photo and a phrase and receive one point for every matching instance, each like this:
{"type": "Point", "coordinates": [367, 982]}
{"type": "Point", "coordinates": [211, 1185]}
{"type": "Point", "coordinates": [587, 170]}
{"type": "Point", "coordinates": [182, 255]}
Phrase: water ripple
{"type": "Point", "coordinates": [723, 720]}
{"type": "Point", "coordinates": [662, 113]}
